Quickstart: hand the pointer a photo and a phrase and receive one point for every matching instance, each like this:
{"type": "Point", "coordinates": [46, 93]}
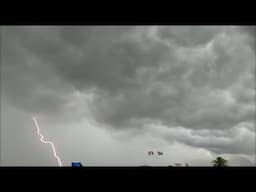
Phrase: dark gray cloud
{"type": "Point", "coordinates": [189, 87]}
{"type": "Point", "coordinates": [102, 60]}
{"type": "Point", "coordinates": [200, 78]}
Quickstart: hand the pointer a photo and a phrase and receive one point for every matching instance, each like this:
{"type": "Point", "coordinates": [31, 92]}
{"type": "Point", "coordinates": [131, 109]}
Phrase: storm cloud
{"type": "Point", "coordinates": [183, 85]}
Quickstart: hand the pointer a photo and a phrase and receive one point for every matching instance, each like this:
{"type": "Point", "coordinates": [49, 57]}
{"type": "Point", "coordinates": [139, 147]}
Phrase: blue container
{"type": "Point", "coordinates": [77, 164]}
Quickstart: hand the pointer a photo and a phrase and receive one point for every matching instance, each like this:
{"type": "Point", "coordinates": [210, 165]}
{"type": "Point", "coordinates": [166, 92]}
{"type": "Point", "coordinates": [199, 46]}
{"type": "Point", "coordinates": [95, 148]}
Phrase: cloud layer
{"type": "Point", "coordinates": [194, 85]}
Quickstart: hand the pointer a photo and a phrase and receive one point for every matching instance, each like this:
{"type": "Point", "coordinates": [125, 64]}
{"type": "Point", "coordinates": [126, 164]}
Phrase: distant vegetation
{"type": "Point", "coordinates": [220, 162]}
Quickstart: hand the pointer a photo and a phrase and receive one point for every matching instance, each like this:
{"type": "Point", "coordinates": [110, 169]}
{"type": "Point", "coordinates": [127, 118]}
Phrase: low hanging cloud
{"type": "Point", "coordinates": [236, 140]}
{"type": "Point", "coordinates": [196, 81]}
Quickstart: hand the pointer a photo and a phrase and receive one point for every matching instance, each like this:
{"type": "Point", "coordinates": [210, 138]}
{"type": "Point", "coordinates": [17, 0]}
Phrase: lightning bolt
{"type": "Point", "coordinates": [47, 142]}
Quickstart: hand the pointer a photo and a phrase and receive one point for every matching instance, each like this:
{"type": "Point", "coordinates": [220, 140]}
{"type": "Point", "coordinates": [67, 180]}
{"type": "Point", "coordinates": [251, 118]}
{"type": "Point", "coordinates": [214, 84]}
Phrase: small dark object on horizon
{"type": "Point", "coordinates": [77, 164]}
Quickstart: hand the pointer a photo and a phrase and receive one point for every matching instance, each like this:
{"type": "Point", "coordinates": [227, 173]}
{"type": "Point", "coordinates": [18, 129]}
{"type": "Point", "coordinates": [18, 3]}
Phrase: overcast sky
{"type": "Point", "coordinates": [106, 95]}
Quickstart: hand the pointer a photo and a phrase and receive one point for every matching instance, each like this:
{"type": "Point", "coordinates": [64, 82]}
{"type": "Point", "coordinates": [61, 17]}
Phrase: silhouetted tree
{"type": "Point", "coordinates": [220, 162]}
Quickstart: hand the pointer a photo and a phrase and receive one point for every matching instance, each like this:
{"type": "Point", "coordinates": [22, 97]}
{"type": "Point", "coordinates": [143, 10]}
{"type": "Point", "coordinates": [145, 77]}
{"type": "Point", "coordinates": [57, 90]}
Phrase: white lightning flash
{"type": "Point", "coordinates": [47, 142]}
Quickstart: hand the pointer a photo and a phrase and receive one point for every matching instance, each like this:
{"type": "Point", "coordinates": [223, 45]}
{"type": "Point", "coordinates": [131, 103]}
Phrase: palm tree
{"type": "Point", "coordinates": [220, 162]}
